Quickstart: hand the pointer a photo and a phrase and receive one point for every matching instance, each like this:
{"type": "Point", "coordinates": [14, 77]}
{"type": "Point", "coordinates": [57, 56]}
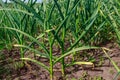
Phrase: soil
{"type": "Point", "coordinates": [102, 69]}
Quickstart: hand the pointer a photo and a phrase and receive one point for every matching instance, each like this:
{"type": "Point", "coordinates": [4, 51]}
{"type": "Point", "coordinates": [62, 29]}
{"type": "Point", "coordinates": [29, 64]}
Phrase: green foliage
{"type": "Point", "coordinates": [55, 22]}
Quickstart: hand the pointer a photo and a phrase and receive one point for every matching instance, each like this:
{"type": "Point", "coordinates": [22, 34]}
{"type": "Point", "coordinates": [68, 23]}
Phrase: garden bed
{"type": "Point", "coordinates": [103, 69]}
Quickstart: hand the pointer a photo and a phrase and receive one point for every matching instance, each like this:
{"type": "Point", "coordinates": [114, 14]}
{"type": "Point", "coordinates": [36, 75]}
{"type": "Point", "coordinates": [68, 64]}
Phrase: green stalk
{"type": "Point", "coordinates": [51, 42]}
{"type": "Point", "coordinates": [63, 63]}
{"type": "Point", "coordinates": [51, 63]}
{"type": "Point", "coordinates": [21, 50]}
{"type": "Point", "coordinates": [63, 52]}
